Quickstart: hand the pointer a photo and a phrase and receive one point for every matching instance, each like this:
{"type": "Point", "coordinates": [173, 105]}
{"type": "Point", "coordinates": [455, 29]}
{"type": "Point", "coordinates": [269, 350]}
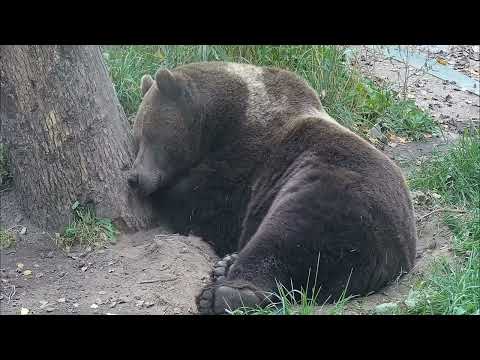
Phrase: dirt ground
{"type": "Point", "coordinates": [148, 273]}
{"type": "Point", "coordinates": [159, 273]}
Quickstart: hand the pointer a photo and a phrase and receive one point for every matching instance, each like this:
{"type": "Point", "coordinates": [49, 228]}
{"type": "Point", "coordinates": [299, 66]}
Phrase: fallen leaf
{"type": "Point", "coordinates": [20, 266]}
{"type": "Point", "coordinates": [442, 61]}
{"type": "Point", "coordinates": [27, 272]}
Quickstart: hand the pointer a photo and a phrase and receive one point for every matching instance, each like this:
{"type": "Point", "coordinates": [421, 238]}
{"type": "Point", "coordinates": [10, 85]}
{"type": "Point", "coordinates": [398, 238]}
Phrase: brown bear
{"type": "Point", "coordinates": [247, 158]}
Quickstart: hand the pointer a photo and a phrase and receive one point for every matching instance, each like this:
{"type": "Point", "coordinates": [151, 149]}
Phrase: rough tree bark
{"type": "Point", "coordinates": [67, 135]}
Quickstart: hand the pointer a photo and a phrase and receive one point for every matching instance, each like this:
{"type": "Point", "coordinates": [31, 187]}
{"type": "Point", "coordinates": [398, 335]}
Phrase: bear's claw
{"type": "Point", "coordinates": [220, 269]}
{"type": "Point", "coordinates": [220, 295]}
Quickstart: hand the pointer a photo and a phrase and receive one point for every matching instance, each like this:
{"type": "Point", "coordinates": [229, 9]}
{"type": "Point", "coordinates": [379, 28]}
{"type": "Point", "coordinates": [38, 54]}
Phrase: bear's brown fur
{"type": "Point", "coordinates": [247, 158]}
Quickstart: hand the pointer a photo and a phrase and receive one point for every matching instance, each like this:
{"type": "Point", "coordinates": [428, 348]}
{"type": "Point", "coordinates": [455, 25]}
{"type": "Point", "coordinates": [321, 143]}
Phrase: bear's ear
{"type": "Point", "coordinates": [146, 83]}
{"type": "Point", "coordinates": [168, 84]}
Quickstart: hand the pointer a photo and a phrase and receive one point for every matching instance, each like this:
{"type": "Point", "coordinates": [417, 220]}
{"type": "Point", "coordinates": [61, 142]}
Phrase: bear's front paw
{"type": "Point", "coordinates": [220, 269]}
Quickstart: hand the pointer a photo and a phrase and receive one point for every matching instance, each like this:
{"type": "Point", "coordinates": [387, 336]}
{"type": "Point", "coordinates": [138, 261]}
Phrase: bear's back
{"type": "Point", "coordinates": [272, 95]}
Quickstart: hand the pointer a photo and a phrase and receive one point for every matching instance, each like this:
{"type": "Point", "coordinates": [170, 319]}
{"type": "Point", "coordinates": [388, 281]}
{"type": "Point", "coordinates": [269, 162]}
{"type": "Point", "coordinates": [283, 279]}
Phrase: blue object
{"type": "Point", "coordinates": [443, 72]}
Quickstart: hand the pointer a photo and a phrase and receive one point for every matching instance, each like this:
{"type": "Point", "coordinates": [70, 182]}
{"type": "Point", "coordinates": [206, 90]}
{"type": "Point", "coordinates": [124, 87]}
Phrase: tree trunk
{"type": "Point", "coordinates": [67, 135]}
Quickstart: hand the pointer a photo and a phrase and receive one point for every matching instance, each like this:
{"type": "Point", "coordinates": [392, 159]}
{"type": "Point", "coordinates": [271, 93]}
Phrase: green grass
{"type": "Point", "coordinates": [354, 101]}
{"type": "Point", "coordinates": [7, 239]}
{"type": "Point", "coordinates": [5, 176]}
{"type": "Point", "coordinates": [454, 175]}
{"type": "Point", "coordinates": [452, 286]}
{"type": "Point", "coordinates": [295, 302]}
{"type": "Point", "coordinates": [87, 230]}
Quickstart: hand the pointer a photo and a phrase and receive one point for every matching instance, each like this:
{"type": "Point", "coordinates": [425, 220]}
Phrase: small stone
{"type": "Point", "coordinates": [85, 268]}
{"type": "Point", "coordinates": [50, 309]}
{"type": "Point", "coordinates": [412, 299]}
{"type": "Point", "coordinates": [375, 133]}
{"type": "Point", "coordinates": [38, 275]}
{"type": "Point", "coordinates": [61, 300]}
{"type": "Point", "coordinates": [435, 195]}
{"type": "Point", "coordinates": [386, 308]}
{"type": "Point", "coordinates": [176, 310]}
{"type": "Point", "coordinates": [113, 304]}
{"type": "Point", "coordinates": [137, 297]}
{"type": "Point", "coordinates": [23, 231]}
{"type": "Point", "coordinates": [149, 304]}
{"type": "Point", "coordinates": [102, 292]}
{"type": "Point", "coordinates": [392, 145]}
{"type": "Point", "coordinates": [75, 305]}
{"type": "Point", "coordinates": [111, 270]}
{"type": "Point", "coordinates": [139, 303]}
{"type": "Point", "coordinates": [94, 306]}
{"type": "Point", "coordinates": [24, 311]}
{"type": "Point", "coordinates": [20, 266]}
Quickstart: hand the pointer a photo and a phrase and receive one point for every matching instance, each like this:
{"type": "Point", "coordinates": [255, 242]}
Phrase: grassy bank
{"type": "Point", "coordinates": [453, 287]}
{"type": "Point", "coordinates": [353, 100]}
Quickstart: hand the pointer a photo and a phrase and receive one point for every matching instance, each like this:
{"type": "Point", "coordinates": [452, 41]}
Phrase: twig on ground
{"type": "Point", "coordinates": [11, 294]}
{"type": "Point", "coordinates": [156, 280]}
{"type": "Point", "coordinates": [441, 209]}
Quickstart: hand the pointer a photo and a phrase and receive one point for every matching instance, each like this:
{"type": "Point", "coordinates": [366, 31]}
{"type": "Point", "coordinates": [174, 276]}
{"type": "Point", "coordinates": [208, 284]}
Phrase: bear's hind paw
{"type": "Point", "coordinates": [220, 269]}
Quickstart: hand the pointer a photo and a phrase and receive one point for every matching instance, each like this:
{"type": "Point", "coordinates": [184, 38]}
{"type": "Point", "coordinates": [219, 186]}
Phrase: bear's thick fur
{"type": "Point", "coordinates": [247, 158]}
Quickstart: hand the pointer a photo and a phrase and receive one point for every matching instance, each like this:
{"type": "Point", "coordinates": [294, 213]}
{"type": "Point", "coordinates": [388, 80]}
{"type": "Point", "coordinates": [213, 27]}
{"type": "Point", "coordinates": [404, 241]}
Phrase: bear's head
{"type": "Point", "coordinates": [165, 132]}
